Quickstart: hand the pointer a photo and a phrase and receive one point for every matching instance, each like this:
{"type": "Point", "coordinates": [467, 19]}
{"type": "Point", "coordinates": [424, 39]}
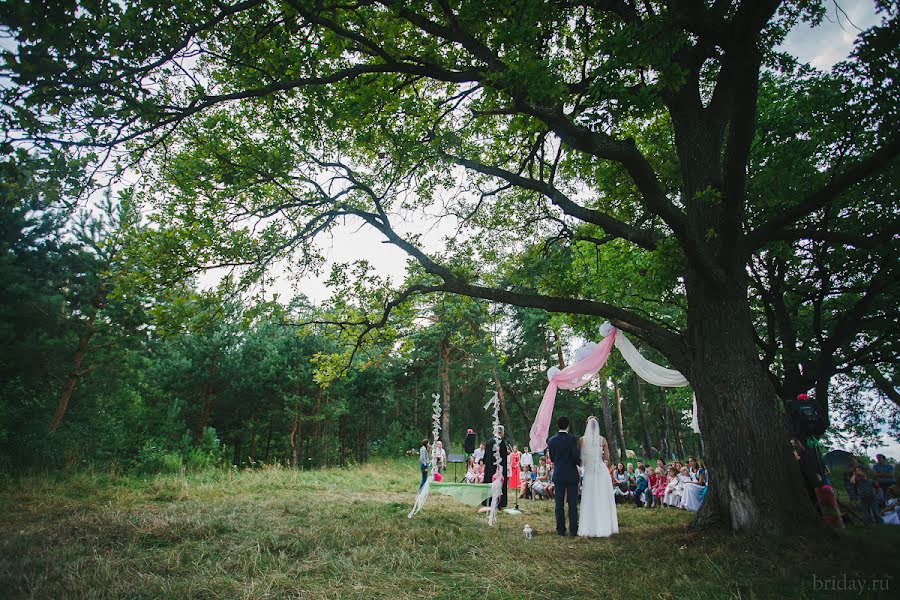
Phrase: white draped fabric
{"type": "Point", "coordinates": [653, 373]}
{"type": "Point", "coordinates": [588, 362]}
{"type": "Point", "coordinates": [650, 372]}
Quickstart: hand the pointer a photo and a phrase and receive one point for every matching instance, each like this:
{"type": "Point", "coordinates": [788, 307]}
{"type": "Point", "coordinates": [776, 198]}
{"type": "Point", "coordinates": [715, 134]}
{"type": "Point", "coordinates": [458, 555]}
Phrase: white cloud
{"type": "Point", "coordinates": [831, 41]}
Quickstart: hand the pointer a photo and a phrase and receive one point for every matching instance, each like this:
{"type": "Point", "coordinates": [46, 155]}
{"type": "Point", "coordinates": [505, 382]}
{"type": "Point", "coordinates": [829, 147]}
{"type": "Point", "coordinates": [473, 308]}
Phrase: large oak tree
{"type": "Point", "coordinates": [627, 125]}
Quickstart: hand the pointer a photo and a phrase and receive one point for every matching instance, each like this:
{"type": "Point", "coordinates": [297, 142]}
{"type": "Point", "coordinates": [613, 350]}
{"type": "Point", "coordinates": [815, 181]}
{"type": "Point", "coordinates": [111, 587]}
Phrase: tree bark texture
{"type": "Point", "coordinates": [754, 482]}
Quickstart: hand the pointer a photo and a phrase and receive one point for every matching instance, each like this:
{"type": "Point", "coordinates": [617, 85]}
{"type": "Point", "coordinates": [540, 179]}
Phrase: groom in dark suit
{"type": "Point", "coordinates": [566, 457]}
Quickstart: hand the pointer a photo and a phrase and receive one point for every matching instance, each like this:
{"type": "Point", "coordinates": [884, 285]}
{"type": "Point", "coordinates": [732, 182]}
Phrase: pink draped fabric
{"type": "Point", "coordinates": [572, 377]}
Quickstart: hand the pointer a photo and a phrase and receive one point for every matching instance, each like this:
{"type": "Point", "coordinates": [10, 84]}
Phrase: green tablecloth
{"type": "Point", "coordinates": [472, 494]}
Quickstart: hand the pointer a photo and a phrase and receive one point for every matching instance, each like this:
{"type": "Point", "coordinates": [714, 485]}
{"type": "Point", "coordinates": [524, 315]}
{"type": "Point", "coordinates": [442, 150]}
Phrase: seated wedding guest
{"type": "Point", "coordinates": [524, 481]}
{"type": "Point", "coordinates": [891, 513]}
{"type": "Point", "coordinates": [479, 471]}
{"type": "Point", "coordinates": [440, 456]}
{"type": "Point", "coordinates": [694, 491]}
{"type": "Point", "coordinates": [471, 476]}
{"type": "Point", "coordinates": [632, 483]}
{"type": "Point", "coordinates": [620, 488]}
{"type": "Point", "coordinates": [674, 485]}
{"type": "Point", "coordinates": [865, 487]}
{"type": "Point", "coordinates": [660, 464]}
{"type": "Point", "coordinates": [539, 485]}
{"type": "Point", "coordinates": [659, 490]}
{"type": "Point", "coordinates": [693, 469]}
{"type": "Point", "coordinates": [651, 483]}
{"type": "Point", "coordinates": [641, 485]}
{"type": "Point", "coordinates": [678, 466]}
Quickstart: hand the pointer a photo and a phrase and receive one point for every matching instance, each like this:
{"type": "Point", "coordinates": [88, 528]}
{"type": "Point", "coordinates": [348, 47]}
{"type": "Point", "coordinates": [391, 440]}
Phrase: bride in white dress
{"type": "Point", "coordinates": [597, 516]}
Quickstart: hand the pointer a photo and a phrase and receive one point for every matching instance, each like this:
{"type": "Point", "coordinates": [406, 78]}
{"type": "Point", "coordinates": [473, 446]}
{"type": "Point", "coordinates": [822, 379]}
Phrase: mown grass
{"type": "Point", "coordinates": [336, 533]}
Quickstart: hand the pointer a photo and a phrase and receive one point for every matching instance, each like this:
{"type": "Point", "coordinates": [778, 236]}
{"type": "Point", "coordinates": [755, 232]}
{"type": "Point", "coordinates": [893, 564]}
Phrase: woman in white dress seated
{"type": "Point", "coordinates": [694, 491]}
{"type": "Point", "coordinates": [597, 514]}
{"type": "Point", "coordinates": [672, 497]}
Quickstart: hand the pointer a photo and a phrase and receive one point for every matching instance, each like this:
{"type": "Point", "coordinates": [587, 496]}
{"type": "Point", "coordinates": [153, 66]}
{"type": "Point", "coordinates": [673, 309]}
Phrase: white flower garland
{"type": "Point", "coordinates": [435, 432]}
{"type": "Point", "coordinates": [497, 483]}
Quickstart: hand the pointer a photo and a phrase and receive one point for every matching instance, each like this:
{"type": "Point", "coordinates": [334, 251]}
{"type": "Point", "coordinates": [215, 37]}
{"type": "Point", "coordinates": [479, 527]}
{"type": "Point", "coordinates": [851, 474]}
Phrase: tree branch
{"type": "Point", "coordinates": [640, 237]}
{"type": "Point", "coordinates": [839, 184]}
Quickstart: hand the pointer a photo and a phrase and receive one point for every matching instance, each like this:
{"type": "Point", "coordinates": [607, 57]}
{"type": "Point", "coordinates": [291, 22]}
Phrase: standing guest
{"type": "Point", "coordinates": [424, 460]}
{"type": "Point", "coordinates": [883, 474]}
{"type": "Point", "coordinates": [865, 487]}
{"type": "Point", "coordinates": [440, 457]}
{"type": "Point", "coordinates": [479, 452]}
{"type": "Point", "coordinates": [527, 459]}
{"type": "Point", "coordinates": [849, 486]}
{"type": "Point", "coordinates": [515, 476]}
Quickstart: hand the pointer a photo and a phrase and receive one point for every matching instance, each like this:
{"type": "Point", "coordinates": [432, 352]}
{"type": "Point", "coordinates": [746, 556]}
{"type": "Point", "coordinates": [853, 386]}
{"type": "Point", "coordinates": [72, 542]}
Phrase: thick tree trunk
{"type": "Point", "coordinates": [445, 389]}
{"type": "Point", "coordinates": [74, 373]}
{"type": "Point", "coordinates": [607, 421]}
{"type": "Point", "coordinates": [621, 430]}
{"type": "Point", "coordinates": [754, 482]}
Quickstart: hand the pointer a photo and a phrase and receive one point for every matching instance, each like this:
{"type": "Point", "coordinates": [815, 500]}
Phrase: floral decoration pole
{"type": "Point", "coordinates": [435, 432]}
{"type": "Point", "coordinates": [497, 483]}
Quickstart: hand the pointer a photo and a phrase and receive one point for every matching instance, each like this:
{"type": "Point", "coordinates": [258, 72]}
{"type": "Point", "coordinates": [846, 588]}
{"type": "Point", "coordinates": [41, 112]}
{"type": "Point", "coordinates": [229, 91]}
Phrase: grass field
{"type": "Point", "coordinates": [274, 533]}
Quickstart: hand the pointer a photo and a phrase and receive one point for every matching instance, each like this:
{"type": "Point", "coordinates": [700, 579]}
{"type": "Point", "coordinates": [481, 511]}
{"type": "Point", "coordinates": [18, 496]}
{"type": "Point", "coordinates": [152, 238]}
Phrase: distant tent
{"type": "Point", "coordinates": [837, 458]}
